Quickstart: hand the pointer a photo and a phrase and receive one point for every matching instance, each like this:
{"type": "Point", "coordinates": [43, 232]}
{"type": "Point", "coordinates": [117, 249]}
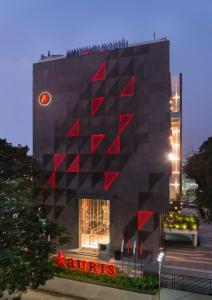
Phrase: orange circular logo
{"type": "Point", "coordinates": [44, 98]}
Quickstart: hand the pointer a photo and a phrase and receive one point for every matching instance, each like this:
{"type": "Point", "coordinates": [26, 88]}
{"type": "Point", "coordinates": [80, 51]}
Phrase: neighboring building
{"type": "Point", "coordinates": [101, 131]}
{"type": "Point", "coordinates": [176, 137]}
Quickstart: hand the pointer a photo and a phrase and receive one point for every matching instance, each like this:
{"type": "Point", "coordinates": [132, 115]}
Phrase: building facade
{"type": "Point", "coordinates": [101, 128]}
{"type": "Point", "coordinates": [176, 137]}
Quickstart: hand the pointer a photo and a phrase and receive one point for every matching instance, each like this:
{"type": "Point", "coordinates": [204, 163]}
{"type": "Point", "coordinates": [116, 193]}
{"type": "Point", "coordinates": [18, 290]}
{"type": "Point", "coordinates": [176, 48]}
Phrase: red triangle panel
{"type": "Point", "coordinates": [124, 120]}
{"type": "Point", "coordinates": [114, 148]}
{"type": "Point", "coordinates": [58, 159]}
{"type": "Point", "coordinates": [74, 129]}
{"type": "Point", "coordinates": [109, 178]}
{"type": "Point", "coordinates": [143, 217]}
{"type": "Point", "coordinates": [128, 90]}
{"type": "Point", "coordinates": [74, 165]}
{"type": "Point", "coordinates": [51, 182]}
{"type": "Point", "coordinates": [96, 140]}
{"type": "Point", "coordinates": [96, 103]}
{"type": "Point", "coordinates": [100, 73]}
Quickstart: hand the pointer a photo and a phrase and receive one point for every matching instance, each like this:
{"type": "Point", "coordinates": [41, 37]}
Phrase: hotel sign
{"type": "Point", "coordinates": [44, 98]}
{"type": "Point", "coordinates": [96, 267]}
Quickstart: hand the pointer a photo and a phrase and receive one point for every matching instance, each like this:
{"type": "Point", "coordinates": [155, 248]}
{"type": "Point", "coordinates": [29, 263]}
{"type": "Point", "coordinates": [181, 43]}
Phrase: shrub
{"type": "Point", "coordinates": [147, 284]}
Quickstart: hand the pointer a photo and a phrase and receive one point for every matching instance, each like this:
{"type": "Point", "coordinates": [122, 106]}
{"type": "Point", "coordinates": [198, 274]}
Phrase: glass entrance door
{"type": "Point", "coordinates": [94, 222]}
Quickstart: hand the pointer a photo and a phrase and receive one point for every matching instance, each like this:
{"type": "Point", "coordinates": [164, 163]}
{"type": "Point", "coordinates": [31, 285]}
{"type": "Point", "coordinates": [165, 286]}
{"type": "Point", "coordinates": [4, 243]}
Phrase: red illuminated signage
{"type": "Point", "coordinates": [44, 98]}
{"type": "Point", "coordinates": [85, 265]}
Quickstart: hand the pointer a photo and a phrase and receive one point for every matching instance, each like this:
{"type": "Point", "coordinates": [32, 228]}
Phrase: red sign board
{"type": "Point", "coordinates": [85, 265]}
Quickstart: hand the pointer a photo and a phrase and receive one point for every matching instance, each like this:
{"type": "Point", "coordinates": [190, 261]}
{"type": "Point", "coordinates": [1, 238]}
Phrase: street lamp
{"type": "Point", "coordinates": [160, 260]}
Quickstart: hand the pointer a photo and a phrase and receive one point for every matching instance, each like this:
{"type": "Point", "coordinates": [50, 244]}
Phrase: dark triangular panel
{"type": "Point", "coordinates": [48, 161]}
{"type": "Point", "coordinates": [112, 106]}
{"type": "Point", "coordinates": [98, 89]}
{"type": "Point", "coordinates": [126, 52]}
{"type": "Point", "coordinates": [141, 139]}
{"type": "Point", "coordinates": [71, 194]}
{"type": "Point", "coordinates": [113, 70]}
{"type": "Point", "coordinates": [60, 195]}
{"type": "Point", "coordinates": [130, 229]}
{"type": "Point", "coordinates": [123, 159]}
{"type": "Point", "coordinates": [37, 192]}
{"type": "Point", "coordinates": [144, 235]}
{"type": "Point", "coordinates": [128, 70]}
{"type": "Point", "coordinates": [74, 112]}
{"type": "Point", "coordinates": [60, 144]}
{"type": "Point", "coordinates": [112, 162]}
{"type": "Point", "coordinates": [50, 200]}
{"type": "Point", "coordinates": [140, 50]}
{"type": "Point", "coordinates": [112, 87]}
{"type": "Point", "coordinates": [156, 220]}
{"type": "Point", "coordinates": [144, 197]}
{"type": "Point", "coordinates": [96, 158]}
{"type": "Point", "coordinates": [127, 105]}
{"type": "Point", "coordinates": [58, 211]}
{"type": "Point", "coordinates": [126, 146]}
{"type": "Point", "coordinates": [85, 126]}
{"type": "Point", "coordinates": [84, 144]}
{"type": "Point", "coordinates": [72, 145]}
{"type": "Point", "coordinates": [153, 179]}
{"type": "Point", "coordinates": [86, 92]}
{"type": "Point", "coordinates": [61, 180]}
{"type": "Point", "coordinates": [48, 195]}
{"type": "Point", "coordinates": [98, 162]}
{"type": "Point", "coordinates": [96, 178]}
{"type": "Point", "coordinates": [71, 178]}
{"type": "Point", "coordinates": [49, 210]}
{"type": "Point", "coordinates": [84, 108]}
{"type": "Point", "coordinates": [126, 67]}
{"type": "Point", "coordinates": [85, 162]}
{"type": "Point", "coordinates": [84, 178]}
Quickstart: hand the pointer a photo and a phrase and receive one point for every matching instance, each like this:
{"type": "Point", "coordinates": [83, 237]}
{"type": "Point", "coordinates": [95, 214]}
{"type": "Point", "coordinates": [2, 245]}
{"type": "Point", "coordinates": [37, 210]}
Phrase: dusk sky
{"type": "Point", "coordinates": [31, 27]}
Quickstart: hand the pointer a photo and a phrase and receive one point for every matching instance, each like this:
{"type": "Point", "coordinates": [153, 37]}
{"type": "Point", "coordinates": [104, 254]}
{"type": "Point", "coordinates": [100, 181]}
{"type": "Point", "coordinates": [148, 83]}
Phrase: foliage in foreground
{"type": "Point", "coordinates": [26, 240]}
{"type": "Point", "coordinates": [147, 284]}
{"type": "Point", "coordinates": [199, 168]}
{"type": "Point", "coordinates": [26, 236]}
{"type": "Point", "coordinates": [175, 220]}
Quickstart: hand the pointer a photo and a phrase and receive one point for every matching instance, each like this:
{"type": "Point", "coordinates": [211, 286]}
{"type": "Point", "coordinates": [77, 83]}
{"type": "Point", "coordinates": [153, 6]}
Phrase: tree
{"type": "Point", "coordinates": [27, 237]}
{"type": "Point", "coordinates": [199, 168]}
{"type": "Point", "coordinates": [16, 163]}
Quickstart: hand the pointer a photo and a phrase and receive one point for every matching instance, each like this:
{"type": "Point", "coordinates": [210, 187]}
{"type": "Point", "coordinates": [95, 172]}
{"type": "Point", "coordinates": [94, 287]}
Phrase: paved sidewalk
{"type": "Point", "coordinates": [205, 234]}
{"type": "Point", "coordinates": [40, 295]}
{"type": "Point", "coordinates": [167, 294]}
{"type": "Point", "coordinates": [182, 258]}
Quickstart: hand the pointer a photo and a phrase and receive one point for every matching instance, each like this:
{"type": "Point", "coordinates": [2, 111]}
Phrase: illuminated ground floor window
{"type": "Point", "coordinates": [94, 222]}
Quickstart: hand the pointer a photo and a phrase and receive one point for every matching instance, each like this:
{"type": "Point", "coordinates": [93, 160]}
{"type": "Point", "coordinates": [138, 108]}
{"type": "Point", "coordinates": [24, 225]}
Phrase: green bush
{"type": "Point", "coordinates": [175, 220]}
{"type": "Point", "coordinates": [147, 284]}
